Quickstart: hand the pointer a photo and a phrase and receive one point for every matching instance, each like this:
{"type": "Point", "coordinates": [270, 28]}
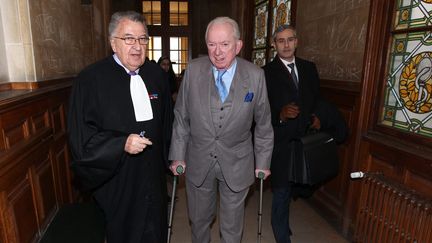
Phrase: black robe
{"type": "Point", "coordinates": [130, 189]}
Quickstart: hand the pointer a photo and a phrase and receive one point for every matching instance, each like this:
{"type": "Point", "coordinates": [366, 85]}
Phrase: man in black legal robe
{"type": "Point", "coordinates": [118, 143]}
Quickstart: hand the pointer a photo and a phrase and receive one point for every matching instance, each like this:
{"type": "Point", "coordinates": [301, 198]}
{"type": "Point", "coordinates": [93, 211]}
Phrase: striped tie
{"type": "Point", "coordinates": [293, 74]}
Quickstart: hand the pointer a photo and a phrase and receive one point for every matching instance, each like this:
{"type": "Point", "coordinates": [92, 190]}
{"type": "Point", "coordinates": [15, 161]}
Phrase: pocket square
{"type": "Point", "coordinates": [249, 97]}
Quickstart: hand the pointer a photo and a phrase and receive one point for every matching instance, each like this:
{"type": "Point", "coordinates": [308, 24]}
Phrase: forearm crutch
{"type": "Point", "coordinates": [179, 170]}
{"type": "Point", "coordinates": [261, 178]}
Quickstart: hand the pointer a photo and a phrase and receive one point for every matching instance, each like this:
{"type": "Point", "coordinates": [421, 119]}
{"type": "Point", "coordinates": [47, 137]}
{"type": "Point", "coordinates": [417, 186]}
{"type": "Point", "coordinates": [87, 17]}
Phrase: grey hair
{"type": "Point", "coordinates": [224, 20]}
{"type": "Point", "coordinates": [283, 27]}
{"type": "Point", "coordinates": [130, 15]}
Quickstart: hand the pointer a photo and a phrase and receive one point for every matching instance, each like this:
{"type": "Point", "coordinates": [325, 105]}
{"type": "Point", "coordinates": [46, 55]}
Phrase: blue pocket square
{"type": "Point", "coordinates": [249, 97]}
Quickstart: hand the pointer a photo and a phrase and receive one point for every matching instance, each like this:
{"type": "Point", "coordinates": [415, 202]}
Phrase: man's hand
{"type": "Point", "coordinates": [136, 144]}
{"type": "Point", "coordinates": [316, 123]}
{"type": "Point", "coordinates": [176, 163]}
{"type": "Point", "coordinates": [266, 173]}
{"type": "Point", "coordinates": [289, 111]}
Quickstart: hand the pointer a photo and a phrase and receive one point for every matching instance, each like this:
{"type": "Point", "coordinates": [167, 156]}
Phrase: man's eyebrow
{"type": "Point", "coordinates": [131, 35]}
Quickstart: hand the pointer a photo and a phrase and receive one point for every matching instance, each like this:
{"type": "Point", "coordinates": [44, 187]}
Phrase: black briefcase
{"type": "Point", "coordinates": [315, 159]}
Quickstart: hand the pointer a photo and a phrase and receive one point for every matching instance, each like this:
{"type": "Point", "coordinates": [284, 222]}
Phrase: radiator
{"type": "Point", "coordinates": [390, 213]}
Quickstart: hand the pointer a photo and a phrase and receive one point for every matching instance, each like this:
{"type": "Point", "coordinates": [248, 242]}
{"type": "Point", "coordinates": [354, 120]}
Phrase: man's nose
{"type": "Point", "coordinates": [137, 47]}
{"type": "Point", "coordinates": [218, 50]}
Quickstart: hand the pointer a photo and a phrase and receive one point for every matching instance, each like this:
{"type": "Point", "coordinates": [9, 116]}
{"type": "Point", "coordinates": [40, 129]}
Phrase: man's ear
{"type": "Point", "coordinates": [112, 45]}
{"type": "Point", "coordinates": [239, 46]}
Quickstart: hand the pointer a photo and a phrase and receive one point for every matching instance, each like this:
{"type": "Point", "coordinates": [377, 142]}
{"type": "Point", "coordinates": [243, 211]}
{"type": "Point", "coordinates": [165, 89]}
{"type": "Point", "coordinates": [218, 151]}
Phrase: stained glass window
{"type": "Point", "coordinates": [281, 13]}
{"type": "Point", "coordinates": [261, 17]}
{"type": "Point", "coordinates": [408, 92]}
{"type": "Point", "coordinates": [277, 12]}
{"type": "Point", "coordinates": [259, 57]}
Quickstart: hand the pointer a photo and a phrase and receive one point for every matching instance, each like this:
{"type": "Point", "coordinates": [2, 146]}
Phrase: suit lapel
{"type": "Point", "coordinates": [239, 87]}
{"type": "Point", "coordinates": [301, 72]}
{"type": "Point", "coordinates": [204, 99]}
{"type": "Point", "coordinates": [301, 76]}
{"type": "Point", "coordinates": [281, 65]}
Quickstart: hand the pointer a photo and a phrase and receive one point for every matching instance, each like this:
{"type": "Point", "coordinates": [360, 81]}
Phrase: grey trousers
{"type": "Point", "coordinates": [202, 208]}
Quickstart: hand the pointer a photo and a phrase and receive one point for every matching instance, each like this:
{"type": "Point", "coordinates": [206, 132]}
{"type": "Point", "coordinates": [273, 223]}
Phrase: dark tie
{"type": "Point", "coordinates": [221, 85]}
{"type": "Point", "coordinates": [293, 74]}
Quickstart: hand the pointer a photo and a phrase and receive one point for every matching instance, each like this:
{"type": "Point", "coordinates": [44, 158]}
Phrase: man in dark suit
{"type": "Point", "coordinates": [212, 132]}
{"type": "Point", "coordinates": [293, 91]}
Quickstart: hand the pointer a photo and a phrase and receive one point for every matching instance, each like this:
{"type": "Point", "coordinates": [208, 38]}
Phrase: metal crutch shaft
{"type": "Point", "coordinates": [261, 176]}
{"type": "Point", "coordinates": [179, 170]}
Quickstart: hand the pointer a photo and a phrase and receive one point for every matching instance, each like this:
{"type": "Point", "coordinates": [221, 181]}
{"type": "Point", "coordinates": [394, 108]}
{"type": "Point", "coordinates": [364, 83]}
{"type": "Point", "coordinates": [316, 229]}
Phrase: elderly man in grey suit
{"type": "Point", "coordinates": [220, 97]}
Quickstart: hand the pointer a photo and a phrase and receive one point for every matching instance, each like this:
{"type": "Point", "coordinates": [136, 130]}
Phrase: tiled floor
{"type": "Point", "coordinates": [306, 224]}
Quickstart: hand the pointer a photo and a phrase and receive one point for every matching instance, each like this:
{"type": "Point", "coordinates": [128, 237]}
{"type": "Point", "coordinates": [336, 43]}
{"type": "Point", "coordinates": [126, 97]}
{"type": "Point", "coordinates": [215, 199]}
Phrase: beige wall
{"type": "Point", "coordinates": [3, 61]}
{"type": "Point", "coordinates": [49, 39]}
{"type": "Point", "coordinates": [332, 33]}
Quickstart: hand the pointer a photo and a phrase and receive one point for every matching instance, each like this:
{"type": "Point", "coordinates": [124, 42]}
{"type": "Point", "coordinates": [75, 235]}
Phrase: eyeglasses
{"type": "Point", "coordinates": [133, 40]}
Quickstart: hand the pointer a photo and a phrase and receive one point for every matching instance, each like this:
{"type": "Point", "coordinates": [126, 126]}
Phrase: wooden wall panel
{"type": "Point", "coordinates": [39, 121]}
{"type": "Point", "coordinates": [418, 182]}
{"type": "Point", "coordinates": [15, 133]}
{"type": "Point", "coordinates": [34, 162]}
{"type": "Point", "coordinates": [331, 197]}
{"type": "Point", "coordinates": [58, 120]}
{"type": "Point", "coordinates": [22, 222]}
{"type": "Point", "coordinates": [62, 173]}
{"type": "Point", "coordinates": [43, 182]}
{"type": "Point", "coordinates": [377, 164]}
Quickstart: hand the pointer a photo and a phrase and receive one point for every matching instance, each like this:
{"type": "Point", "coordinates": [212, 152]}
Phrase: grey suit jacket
{"type": "Point", "coordinates": [194, 138]}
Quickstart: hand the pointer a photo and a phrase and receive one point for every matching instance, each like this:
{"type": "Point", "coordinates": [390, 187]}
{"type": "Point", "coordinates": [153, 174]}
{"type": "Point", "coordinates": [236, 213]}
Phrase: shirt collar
{"type": "Point", "coordinates": [230, 71]}
{"type": "Point", "coordinates": [117, 60]}
{"type": "Point", "coordinates": [286, 62]}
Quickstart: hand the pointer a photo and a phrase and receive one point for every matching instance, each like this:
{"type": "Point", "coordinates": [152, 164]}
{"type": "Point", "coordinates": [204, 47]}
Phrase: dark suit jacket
{"type": "Point", "coordinates": [282, 91]}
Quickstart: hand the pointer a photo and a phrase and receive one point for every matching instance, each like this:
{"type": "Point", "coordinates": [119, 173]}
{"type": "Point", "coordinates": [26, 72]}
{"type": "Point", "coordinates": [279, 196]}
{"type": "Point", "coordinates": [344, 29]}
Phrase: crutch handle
{"type": "Point", "coordinates": [261, 175]}
{"type": "Point", "coordinates": [180, 169]}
